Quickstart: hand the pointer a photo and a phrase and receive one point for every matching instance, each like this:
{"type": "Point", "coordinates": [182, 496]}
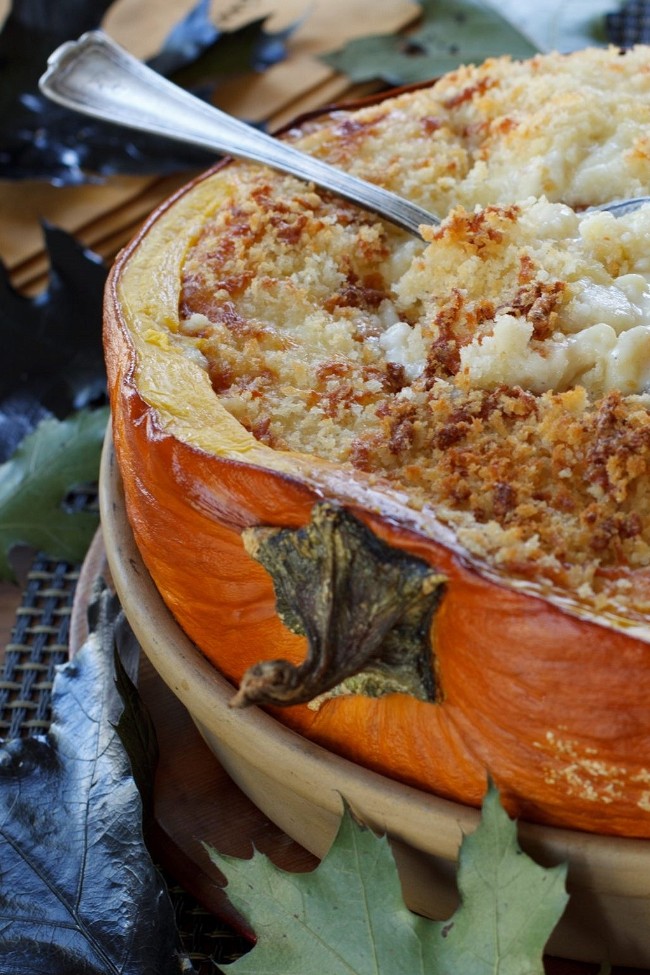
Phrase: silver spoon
{"type": "Point", "coordinates": [95, 76]}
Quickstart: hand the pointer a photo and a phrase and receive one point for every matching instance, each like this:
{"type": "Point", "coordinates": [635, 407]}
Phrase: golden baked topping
{"type": "Point", "coordinates": [498, 373]}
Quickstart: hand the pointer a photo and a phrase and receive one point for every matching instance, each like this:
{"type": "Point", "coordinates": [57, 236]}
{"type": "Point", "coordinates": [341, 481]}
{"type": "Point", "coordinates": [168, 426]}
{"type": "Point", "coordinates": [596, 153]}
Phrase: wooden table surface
{"type": "Point", "coordinates": [195, 799]}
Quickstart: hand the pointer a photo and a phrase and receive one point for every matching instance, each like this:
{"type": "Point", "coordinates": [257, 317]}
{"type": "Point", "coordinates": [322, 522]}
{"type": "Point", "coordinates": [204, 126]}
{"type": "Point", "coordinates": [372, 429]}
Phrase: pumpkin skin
{"type": "Point", "coordinates": [545, 697]}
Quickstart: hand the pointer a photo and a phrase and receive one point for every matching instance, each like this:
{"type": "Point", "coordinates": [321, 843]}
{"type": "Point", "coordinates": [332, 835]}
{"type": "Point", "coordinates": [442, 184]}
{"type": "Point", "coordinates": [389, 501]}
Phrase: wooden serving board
{"type": "Point", "coordinates": [196, 802]}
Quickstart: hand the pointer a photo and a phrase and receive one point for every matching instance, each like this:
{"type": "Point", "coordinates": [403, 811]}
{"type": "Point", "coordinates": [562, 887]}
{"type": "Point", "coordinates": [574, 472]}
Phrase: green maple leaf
{"type": "Point", "coordinates": [509, 904]}
{"type": "Point", "coordinates": [452, 32]}
{"type": "Point", "coordinates": [347, 917]}
{"type": "Point", "coordinates": [49, 463]}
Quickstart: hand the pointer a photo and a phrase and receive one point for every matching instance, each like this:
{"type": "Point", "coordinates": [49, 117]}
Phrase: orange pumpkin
{"type": "Point", "coordinates": [533, 685]}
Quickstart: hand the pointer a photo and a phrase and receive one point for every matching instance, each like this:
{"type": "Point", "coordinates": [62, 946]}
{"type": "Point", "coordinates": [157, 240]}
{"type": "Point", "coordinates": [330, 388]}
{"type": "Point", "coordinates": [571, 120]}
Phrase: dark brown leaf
{"type": "Point", "coordinates": [78, 890]}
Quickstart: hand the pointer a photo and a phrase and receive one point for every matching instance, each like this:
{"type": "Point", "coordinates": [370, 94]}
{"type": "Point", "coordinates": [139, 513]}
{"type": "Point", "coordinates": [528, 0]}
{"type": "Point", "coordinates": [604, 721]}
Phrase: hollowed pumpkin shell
{"type": "Point", "coordinates": [531, 686]}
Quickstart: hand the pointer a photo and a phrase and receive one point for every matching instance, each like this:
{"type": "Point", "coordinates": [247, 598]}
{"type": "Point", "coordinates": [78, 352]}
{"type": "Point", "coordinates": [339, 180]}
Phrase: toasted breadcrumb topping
{"type": "Point", "coordinates": [499, 371]}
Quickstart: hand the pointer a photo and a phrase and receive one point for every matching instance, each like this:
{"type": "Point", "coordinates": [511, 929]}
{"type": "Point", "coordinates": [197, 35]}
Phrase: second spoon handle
{"type": "Point", "coordinates": [95, 76]}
